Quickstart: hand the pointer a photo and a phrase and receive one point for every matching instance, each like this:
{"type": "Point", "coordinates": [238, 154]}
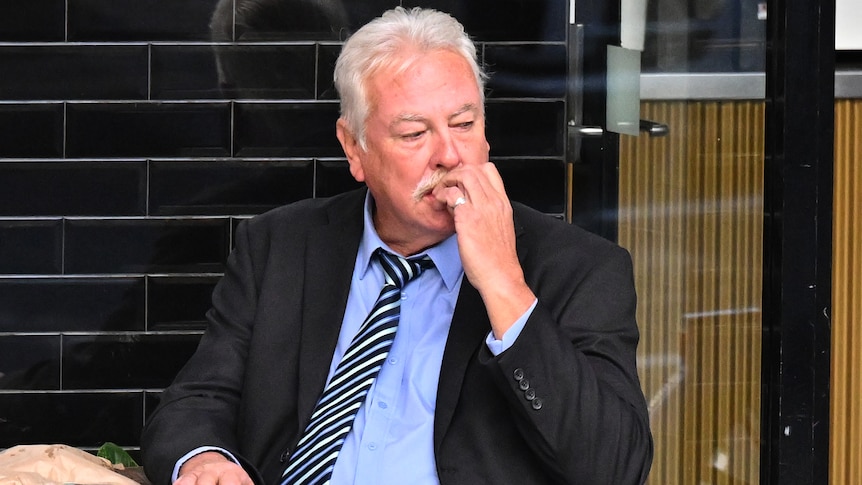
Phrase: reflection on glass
{"type": "Point", "coordinates": [250, 73]}
{"type": "Point", "coordinates": [691, 213]}
{"type": "Point", "coordinates": [705, 36]}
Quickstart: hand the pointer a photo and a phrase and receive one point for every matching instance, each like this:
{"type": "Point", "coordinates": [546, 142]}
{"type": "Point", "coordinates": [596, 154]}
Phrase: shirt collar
{"type": "Point", "coordinates": [446, 257]}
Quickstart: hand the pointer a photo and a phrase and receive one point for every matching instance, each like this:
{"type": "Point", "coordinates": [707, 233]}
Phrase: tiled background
{"type": "Point", "coordinates": [125, 164]}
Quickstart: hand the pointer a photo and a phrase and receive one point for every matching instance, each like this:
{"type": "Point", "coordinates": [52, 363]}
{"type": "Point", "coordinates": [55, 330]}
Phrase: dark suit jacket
{"type": "Point", "coordinates": [261, 365]}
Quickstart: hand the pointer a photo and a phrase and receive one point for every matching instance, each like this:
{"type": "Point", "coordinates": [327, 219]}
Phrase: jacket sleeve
{"type": "Point", "coordinates": [571, 378]}
{"type": "Point", "coordinates": [200, 407]}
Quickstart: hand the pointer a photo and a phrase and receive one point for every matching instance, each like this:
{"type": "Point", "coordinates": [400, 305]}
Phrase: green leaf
{"type": "Point", "coordinates": [116, 455]}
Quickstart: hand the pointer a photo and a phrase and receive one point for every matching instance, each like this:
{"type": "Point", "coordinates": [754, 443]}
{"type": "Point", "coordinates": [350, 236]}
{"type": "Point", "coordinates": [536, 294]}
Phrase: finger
{"type": "Point", "coordinates": [494, 177]}
{"type": "Point", "coordinates": [469, 181]}
{"type": "Point", "coordinates": [458, 202]}
{"type": "Point", "coordinates": [454, 197]}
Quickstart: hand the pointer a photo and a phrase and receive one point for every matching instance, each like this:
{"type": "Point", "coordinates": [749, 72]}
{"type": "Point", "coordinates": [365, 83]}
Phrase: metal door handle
{"type": "Point", "coordinates": [585, 131]}
{"type": "Point", "coordinates": [653, 128]}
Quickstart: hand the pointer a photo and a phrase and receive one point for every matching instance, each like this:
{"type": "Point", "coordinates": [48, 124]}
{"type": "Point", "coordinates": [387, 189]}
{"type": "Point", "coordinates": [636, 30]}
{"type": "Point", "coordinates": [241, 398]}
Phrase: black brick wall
{"type": "Point", "coordinates": [125, 165]}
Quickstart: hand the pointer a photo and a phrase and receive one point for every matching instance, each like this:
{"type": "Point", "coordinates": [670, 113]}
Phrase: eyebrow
{"type": "Point", "coordinates": [413, 117]}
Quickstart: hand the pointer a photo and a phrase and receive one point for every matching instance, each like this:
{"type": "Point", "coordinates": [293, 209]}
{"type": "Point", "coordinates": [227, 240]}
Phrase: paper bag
{"type": "Point", "coordinates": [56, 464]}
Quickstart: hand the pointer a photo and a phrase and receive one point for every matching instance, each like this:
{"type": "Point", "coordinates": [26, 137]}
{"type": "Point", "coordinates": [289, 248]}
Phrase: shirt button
{"type": "Point", "coordinates": [537, 404]}
{"type": "Point", "coordinates": [393, 360]}
{"type": "Point", "coordinates": [372, 446]}
{"type": "Point", "coordinates": [382, 405]}
{"type": "Point", "coordinates": [518, 374]}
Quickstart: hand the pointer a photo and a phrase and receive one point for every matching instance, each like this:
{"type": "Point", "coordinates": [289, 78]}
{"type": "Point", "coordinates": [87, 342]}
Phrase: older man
{"type": "Point", "coordinates": [500, 350]}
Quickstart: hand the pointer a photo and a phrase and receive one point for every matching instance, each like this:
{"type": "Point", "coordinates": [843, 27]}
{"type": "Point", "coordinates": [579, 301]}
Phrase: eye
{"type": "Point", "coordinates": [414, 135]}
{"type": "Point", "coordinates": [466, 125]}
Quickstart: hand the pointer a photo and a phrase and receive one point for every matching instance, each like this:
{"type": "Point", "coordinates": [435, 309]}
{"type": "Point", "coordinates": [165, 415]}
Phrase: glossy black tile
{"type": "Point", "coordinates": [505, 20]}
{"type": "Point", "coordinates": [227, 187]}
{"type": "Point", "coordinates": [29, 362]}
{"type": "Point", "coordinates": [109, 20]}
{"type": "Point", "coordinates": [146, 245]}
{"type": "Point", "coordinates": [72, 188]}
{"type": "Point", "coordinates": [280, 20]}
{"type": "Point", "coordinates": [31, 130]}
{"type": "Point", "coordinates": [288, 20]}
{"type": "Point", "coordinates": [78, 419]}
{"type": "Point", "coordinates": [179, 302]}
{"type": "Point", "coordinates": [261, 71]}
{"type": "Point", "coordinates": [151, 402]}
{"type": "Point", "coordinates": [148, 130]}
{"type": "Point", "coordinates": [86, 71]}
{"type": "Point", "coordinates": [246, 71]}
{"type": "Point", "coordinates": [528, 71]}
{"type": "Point", "coordinates": [334, 178]}
{"type": "Point", "coordinates": [124, 361]}
{"type": "Point", "coordinates": [184, 72]}
{"type": "Point", "coordinates": [360, 13]}
{"type": "Point", "coordinates": [72, 304]}
{"type": "Point", "coordinates": [286, 129]}
{"type": "Point", "coordinates": [525, 128]}
{"type": "Point", "coordinates": [31, 408]}
{"type": "Point", "coordinates": [234, 222]}
{"type": "Point", "coordinates": [538, 183]}
{"type": "Point", "coordinates": [31, 247]}
{"type": "Point", "coordinates": [326, 57]}
{"type": "Point", "coordinates": [32, 20]}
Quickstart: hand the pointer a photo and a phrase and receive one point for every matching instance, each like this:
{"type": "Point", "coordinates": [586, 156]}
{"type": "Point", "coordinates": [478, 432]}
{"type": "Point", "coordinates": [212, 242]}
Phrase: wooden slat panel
{"type": "Point", "coordinates": [691, 214]}
{"type": "Point", "coordinates": [846, 406]}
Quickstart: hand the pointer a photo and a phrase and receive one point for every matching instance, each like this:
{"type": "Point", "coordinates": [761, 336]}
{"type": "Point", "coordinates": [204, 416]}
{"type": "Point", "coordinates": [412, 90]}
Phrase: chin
{"type": "Point", "coordinates": [444, 228]}
{"type": "Point", "coordinates": [436, 217]}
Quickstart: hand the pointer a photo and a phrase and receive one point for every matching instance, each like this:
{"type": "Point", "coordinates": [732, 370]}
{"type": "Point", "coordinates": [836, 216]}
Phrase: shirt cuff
{"type": "Point", "coordinates": [497, 347]}
{"type": "Point", "coordinates": [197, 451]}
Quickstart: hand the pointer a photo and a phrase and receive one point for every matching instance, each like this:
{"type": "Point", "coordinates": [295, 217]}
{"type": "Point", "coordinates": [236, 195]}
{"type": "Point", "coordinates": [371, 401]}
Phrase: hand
{"type": "Point", "coordinates": [486, 240]}
{"type": "Point", "coordinates": [212, 468]}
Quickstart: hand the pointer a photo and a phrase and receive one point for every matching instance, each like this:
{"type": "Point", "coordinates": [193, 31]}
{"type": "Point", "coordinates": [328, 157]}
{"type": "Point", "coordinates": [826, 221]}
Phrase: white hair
{"type": "Point", "coordinates": [382, 43]}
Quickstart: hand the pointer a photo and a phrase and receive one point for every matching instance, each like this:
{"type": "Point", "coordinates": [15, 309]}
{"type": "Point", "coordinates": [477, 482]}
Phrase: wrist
{"type": "Point", "coordinates": [202, 459]}
{"type": "Point", "coordinates": [506, 304]}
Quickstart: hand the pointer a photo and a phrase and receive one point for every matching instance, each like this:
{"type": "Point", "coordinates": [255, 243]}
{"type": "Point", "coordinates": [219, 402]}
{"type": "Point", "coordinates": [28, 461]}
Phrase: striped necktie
{"type": "Point", "coordinates": [314, 457]}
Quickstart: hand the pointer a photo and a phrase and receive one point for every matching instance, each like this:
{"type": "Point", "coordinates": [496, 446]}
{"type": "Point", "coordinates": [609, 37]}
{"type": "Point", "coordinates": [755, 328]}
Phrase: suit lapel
{"type": "Point", "coordinates": [330, 257]}
{"type": "Point", "coordinates": [470, 326]}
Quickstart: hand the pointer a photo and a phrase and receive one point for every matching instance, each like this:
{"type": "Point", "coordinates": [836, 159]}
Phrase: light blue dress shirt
{"type": "Point", "coordinates": [391, 441]}
{"type": "Point", "coordinates": [396, 421]}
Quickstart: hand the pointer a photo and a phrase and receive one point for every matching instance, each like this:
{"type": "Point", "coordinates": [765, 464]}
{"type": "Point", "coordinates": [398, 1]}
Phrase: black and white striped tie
{"type": "Point", "coordinates": [314, 457]}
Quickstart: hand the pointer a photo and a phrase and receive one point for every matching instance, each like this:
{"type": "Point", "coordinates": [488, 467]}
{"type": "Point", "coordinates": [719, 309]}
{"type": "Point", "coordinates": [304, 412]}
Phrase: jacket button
{"type": "Point", "coordinates": [537, 404]}
{"type": "Point", "coordinates": [518, 374]}
{"type": "Point", "coordinates": [530, 394]}
{"type": "Point", "coordinates": [284, 456]}
{"type": "Point", "coordinates": [524, 384]}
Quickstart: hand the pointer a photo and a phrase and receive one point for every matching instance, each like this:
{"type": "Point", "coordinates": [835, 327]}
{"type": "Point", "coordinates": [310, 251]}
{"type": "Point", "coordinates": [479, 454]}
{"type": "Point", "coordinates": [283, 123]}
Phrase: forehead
{"type": "Point", "coordinates": [439, 82]}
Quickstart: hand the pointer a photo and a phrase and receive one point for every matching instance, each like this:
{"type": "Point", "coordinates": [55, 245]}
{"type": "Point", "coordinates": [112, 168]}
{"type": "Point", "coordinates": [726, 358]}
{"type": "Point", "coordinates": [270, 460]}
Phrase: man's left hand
{"type": "Point", "coordinates": [486, 240]}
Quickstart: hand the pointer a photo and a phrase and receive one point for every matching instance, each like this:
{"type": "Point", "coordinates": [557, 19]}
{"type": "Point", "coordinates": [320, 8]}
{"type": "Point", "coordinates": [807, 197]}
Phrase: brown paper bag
{"type": "Point", "coordinates": [56, 464]}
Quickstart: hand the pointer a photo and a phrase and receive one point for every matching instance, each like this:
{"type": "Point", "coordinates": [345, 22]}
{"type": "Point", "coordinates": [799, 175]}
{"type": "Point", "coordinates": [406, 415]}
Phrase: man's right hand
{"type": "Point", "coordinates": [212, 468]}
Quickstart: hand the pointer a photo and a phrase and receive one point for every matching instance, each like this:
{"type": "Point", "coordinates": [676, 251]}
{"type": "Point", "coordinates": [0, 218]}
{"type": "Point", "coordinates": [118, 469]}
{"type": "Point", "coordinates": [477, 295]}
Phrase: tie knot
{"type": "Point", "coordinates": [400, 270]}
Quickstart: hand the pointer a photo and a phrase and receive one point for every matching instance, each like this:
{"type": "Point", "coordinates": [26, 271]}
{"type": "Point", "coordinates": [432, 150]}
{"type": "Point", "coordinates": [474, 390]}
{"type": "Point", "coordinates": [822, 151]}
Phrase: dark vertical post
{"type": "Point", "coordinates": [595, 177]}
{"type": "Point", "coordinates": [798, 241]}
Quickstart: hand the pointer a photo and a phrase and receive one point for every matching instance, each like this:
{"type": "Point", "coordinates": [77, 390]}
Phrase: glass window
{"type": "Point", "coordinates": [691, 213]}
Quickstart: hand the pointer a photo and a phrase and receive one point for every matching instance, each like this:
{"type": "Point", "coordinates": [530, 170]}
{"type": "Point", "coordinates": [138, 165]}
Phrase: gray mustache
{"type": "Point", "coordinates": [428, 183]}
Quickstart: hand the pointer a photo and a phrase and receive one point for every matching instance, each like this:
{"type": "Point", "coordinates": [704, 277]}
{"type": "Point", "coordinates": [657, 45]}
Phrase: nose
{"type": "Point", "coordinates": [447, 155]}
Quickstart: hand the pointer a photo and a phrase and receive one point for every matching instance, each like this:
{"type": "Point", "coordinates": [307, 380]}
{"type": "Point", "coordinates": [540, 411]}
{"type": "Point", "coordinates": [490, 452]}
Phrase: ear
{"type": "Point", "coordinates": [350, 145]}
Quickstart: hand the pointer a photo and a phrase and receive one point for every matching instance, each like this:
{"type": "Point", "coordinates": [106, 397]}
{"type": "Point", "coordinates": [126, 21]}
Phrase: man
{"type": "Point", "coordinates": [514, 357]}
